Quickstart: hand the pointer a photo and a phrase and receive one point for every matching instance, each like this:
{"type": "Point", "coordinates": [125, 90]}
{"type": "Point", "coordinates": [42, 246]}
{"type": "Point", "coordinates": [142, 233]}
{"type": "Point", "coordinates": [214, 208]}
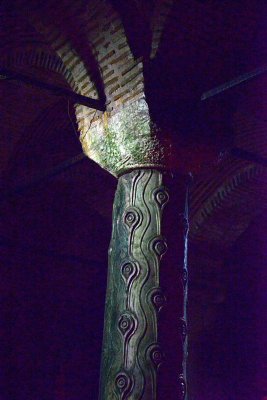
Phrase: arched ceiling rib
{"type": "Point", "coordinates": [92, 47]}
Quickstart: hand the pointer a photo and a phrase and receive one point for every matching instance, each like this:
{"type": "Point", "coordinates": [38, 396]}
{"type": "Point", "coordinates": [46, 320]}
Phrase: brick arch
{"type": "Point", "coordinates": [214, 194]}
{"type": "Point", "coordinates": [37, 54]}
{"type": "Point", "coordinates": [98, 28]}
{"type": "Point", "coordinates": [30, 49]}
{"type": "Point", "coordinates": [22, 45]}
{"type": "Point", "coordinates": [236, 180]}
{"type": "Point", "coordinates": [106, 44]}
{"type": "Point", "coordinates": [23, 59]}
{"type": "Point", "coordinates": [29, 154]}
{"type": "Point", "coordinates": [223, 207]}
{"type": "Point", "coordinates": [121, 74]}
{"type": "Point", "coordinates": [65, 60]}
{"type": "Point", "coordinates": [36, 57]}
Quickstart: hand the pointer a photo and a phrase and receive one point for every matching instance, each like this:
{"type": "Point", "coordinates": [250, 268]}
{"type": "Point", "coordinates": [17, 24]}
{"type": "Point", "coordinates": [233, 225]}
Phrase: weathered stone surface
{"type": "Point", "coordinates": [143, 351]}
{"type": "Point", "coordinates": [124, 140]}
{"type": "Point", "coordinates": [131, 352]}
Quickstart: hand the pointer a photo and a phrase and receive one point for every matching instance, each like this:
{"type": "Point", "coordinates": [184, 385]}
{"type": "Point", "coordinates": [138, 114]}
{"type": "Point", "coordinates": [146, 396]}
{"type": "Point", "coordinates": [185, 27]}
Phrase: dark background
{"type": "Point", "coordinates": [55, 231]}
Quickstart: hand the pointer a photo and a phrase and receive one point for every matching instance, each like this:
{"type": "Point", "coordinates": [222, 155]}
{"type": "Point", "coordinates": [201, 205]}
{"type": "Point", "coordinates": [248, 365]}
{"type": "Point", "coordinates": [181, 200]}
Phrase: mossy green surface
{"type": "Point", "coordinates": [124, 140]}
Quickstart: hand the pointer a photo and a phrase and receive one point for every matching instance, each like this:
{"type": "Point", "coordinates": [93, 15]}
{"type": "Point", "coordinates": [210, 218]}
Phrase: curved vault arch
{"type": "Point", "coordinates": [236, 180]}
{"type": "Point", "coordinates": [112, 53]}
{"type": "Point", "coordinates": [101, 29]}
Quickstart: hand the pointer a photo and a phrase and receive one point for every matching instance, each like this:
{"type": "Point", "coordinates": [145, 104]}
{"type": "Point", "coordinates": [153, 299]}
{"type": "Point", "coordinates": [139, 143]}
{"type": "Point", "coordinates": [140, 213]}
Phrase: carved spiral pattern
{"type": "Point", "coordinates": [132, 217]}
{"type": "Point", "coordinates": [160, 247]}
{"type": "Point", "coordinates": [129, 271]}
{"type": "Point", "coordinates": [181, 388]}
{"type": "Point", "coordinates": [158, 299]}
{"type": "Point", "coordinates": [161, 196]}
{"type": "Point", "coordinates": [155, 355]}
{"type": "Point", "coordinates": [126, 324]}
{"type": "Point", "coordinates": [123, 384]}
{"type": "Point", "coordinates": [131, 353]}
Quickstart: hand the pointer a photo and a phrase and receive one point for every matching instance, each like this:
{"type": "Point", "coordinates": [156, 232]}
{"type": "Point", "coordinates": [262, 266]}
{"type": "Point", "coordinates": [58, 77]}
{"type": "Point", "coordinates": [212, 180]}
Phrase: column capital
{"type": "Point", "coordinates": [125, 140]}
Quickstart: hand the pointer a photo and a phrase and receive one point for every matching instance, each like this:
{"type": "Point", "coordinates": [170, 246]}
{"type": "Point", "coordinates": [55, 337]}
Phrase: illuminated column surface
{"type": "Point", "coordinates": [145, 330]}
{"type": "Point", "coordinates": [140, 332]}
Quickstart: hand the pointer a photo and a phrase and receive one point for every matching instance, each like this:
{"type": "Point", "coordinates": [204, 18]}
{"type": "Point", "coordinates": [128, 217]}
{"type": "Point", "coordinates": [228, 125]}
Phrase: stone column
{"type": "Point", "coordinates": [144, 345]}
{"type": "Point", "coordinates": [145, 321]}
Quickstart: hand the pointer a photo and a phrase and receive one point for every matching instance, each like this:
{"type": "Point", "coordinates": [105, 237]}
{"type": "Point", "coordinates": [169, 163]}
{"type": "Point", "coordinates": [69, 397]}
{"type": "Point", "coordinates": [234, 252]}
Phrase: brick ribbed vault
{"type": "Point", "coordinates": [161, 53]}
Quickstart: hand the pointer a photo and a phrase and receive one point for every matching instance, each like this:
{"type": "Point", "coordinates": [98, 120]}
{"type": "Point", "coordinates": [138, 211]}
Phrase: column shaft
{"type": "Point", "coordinates": [143, 349]}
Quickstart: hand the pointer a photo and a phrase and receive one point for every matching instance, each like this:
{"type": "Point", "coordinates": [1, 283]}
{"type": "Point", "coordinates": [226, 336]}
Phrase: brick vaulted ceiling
{"type": "Point", "coordinates": [169, 51]}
